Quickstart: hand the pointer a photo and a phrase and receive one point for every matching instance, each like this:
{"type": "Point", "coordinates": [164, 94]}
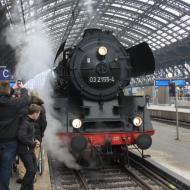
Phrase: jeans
{"type": "Point", "coordinates": [29, 160]}
{"type": "Point", "coordinates": [7, 156]}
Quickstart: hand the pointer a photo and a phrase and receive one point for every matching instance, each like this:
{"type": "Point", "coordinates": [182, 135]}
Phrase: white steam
{"type": "Point", "coordinates": [33, 51]}
{"type": "Point", "coordinates": [88, 4]}
{"type": "Point", "coordinates": [34, 55]}
{"type": "Point", "coordinates": [58, 149]}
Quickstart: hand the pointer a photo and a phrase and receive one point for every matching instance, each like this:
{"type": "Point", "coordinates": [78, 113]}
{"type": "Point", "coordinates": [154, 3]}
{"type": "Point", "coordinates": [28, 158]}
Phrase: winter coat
{"type": "Point", "coordinates": [10, 112]}
{"type": "Point", "coordinates": [41, 123]}
{"type": "Point", "coordinates": [26, 136]}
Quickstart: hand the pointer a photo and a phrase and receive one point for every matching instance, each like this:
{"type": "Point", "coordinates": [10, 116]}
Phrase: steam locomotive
{"type": "Point", "coordinates": [89, 81]}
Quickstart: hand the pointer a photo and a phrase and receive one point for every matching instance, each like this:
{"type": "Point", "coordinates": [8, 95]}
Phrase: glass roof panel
{"type": "Point", "coordinates": [173, 11]}
{"type": "Point", "coordinates": [159, 19]}
{"type": "Point", "coordinates": [148, 1]}
{"type": "Point", "coordinates": [186, 1]}
{"type": "Point", "coordinates": [162, 22]}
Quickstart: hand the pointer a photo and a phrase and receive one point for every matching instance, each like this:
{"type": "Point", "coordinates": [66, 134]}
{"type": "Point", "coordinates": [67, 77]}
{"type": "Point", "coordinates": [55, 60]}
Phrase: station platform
{"type": "Point", "coordinates": [168, 112]}
{"type": "Point", "coordinates": [171, 153]}
{"type": "Point", "coordinates": [168, 108]}
{"type": "Point", "coordinates": [43, 182]}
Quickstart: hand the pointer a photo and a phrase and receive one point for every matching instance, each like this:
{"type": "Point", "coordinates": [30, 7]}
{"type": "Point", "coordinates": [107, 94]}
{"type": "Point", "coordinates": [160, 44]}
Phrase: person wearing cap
{"type": "Point", "coordinates": [10, 109]}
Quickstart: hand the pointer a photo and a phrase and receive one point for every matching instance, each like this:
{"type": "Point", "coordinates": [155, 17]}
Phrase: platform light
{"type": "Point", "coordinates": [102, 50]}
{"type": "Point", "coordinates": [170, 75]}
{"type": "Point", "coordinates": [137, 121]}
{"type": "Point", "coordinates": [76, 123]}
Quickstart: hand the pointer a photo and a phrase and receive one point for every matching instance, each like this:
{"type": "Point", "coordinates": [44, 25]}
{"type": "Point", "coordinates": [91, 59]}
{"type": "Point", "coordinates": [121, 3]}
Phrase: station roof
{"type": "Point", "coordinates": [163, 24]}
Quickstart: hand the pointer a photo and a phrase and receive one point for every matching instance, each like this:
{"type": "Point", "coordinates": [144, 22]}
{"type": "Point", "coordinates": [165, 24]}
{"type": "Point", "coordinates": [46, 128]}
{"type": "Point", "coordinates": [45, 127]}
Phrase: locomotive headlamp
{"type": "Point", "coordinates": [76, 123]}
{"type": "Point", "coordinates": [102, 50]}
{"type": "Point", "coordinates": [137, 121]}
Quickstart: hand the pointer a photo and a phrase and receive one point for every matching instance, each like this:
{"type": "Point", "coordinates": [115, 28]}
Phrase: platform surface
{"type": "Point", "coordinates": [169, 152]}
{"type": "Point", "coordinates": [42, 183]}
{"type": "Point", "coordinates": [168, 108]}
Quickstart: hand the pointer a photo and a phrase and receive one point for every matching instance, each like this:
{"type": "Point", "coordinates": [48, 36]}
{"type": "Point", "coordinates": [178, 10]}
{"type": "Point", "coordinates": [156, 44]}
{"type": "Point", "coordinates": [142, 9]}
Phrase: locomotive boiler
{"type": "Point", "coordinates": [89, 81]}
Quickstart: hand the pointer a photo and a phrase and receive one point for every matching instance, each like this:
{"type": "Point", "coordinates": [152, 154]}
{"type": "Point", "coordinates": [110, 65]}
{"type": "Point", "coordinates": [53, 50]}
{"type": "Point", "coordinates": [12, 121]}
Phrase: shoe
{"type": "Point", "coordinates": [19, 180]}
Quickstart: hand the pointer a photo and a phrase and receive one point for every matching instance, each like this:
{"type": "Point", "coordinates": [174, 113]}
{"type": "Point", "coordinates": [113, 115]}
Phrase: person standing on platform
{"type": "Point", "coordinates": [27, 143]}
{"type": "Point", "coordinates": [17, 87]}
{"type": "Point", "coordinates": [40, 126]}
{"type": "Point", "coordinates": [41, 122]}
{"type": "Point", "coordinates": [9, 122]}
{"type": "Point", "coordinates": [147, 99]}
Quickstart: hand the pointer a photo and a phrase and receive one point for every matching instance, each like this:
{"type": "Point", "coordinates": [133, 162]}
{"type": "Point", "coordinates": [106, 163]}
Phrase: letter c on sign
{"type": "Point", "coordinates": [6, 73]}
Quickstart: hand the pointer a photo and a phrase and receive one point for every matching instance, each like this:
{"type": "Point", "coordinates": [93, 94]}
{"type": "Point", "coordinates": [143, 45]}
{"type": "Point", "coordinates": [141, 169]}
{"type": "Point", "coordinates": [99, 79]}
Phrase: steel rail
{"type": "Point", "coordinates": [81, 180]}
{"type": "Point", "coordinates": [170, 180]}
{"type": "Point", "coordinates": [138, 179]}
{"type": "Point", "coordinates": [155, 177]}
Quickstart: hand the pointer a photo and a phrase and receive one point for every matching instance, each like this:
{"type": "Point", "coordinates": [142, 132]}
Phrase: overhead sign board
{"type": "Point", "coordinates": [179, 82]}
{"type": "Point", "coordinates": [167, 82]}
{"type": "Point", "coordinates": [162, 82]}
{"type": "Point", "coordinates": [5, 74]}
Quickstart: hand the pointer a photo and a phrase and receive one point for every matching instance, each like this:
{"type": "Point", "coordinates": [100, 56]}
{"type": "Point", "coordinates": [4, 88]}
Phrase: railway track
{"type": "Point", "coordinates": [116, 177]}
{"type": "Point", "coordinates": [161, 175]}
{"type": "Point", "coordinates": [171, 122]}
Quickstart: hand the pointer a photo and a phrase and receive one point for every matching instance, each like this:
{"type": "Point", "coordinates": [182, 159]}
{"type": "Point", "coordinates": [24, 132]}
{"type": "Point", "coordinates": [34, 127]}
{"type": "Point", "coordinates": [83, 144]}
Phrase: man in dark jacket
{"type": "Point", "coordinates": [40, 126]}
{"type": "Point", "coordinates": [27, 143]}
{"type": "Point", "coordinates": [10, 109]}
{"type": "Point", "coordinates": [41, 122]}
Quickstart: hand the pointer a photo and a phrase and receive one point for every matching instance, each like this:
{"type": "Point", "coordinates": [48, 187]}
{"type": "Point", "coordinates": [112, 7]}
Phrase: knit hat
{"type": "Point", "coordinates": [4, 88]}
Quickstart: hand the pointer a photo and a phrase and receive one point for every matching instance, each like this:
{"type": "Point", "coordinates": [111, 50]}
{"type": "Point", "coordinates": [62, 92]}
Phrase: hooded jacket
{"type": "Point", "coordinates": [10, 112]}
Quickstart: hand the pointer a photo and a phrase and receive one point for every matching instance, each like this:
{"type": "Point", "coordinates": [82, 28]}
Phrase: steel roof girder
{"type": "Point", "coordinates": [139, 19]}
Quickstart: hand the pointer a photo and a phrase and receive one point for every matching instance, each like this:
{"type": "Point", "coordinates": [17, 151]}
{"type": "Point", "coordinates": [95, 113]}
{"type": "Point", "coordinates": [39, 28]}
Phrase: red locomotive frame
{"type": "Point", "coordinates": [98, 139]}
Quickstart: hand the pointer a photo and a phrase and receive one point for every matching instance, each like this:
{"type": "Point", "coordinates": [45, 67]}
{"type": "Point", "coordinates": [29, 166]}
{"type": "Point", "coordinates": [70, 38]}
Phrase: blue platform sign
{"type": "Point", "coordinates": [179, 82]}
{"type": "Point", "coordinates": [5, 74]}
{"type": "Point", "coordinates": [167, 82]}
{"type": "Point", "coordinates": [12, 83]}
{"type": "Point", "coordinates": [162, 82]}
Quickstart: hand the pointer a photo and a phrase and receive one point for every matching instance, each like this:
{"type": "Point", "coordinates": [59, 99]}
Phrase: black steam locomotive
{"type": "Point", "coordinates": [89, 82]}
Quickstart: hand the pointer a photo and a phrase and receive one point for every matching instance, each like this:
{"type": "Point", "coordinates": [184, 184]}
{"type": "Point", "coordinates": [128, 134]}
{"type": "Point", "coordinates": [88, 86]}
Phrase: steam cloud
{"type": "Point", "coordinates": [34, 55]}
{"type": "Point", "coordinates": [58, 149]}
{"type": "Point", "coordinates": [88, 5]}
{"type": "Point", "coordinates": [33, 51]}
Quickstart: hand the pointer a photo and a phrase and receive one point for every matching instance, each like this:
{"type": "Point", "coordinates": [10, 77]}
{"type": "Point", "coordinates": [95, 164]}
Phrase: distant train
{"type": "Point", "coordinates": [89, 81]}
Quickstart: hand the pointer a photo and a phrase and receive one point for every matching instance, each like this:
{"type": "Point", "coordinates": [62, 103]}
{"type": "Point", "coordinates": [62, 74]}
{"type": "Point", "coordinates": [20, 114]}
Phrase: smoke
{"type": "Point", "coordinates": [33, 51]}
{"type": "Point", "coordinates": [88, 4]}
{"type": "Point", "coordinates": [58, 149]}
{"type": "Point", "coordinates": [35, 55]}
